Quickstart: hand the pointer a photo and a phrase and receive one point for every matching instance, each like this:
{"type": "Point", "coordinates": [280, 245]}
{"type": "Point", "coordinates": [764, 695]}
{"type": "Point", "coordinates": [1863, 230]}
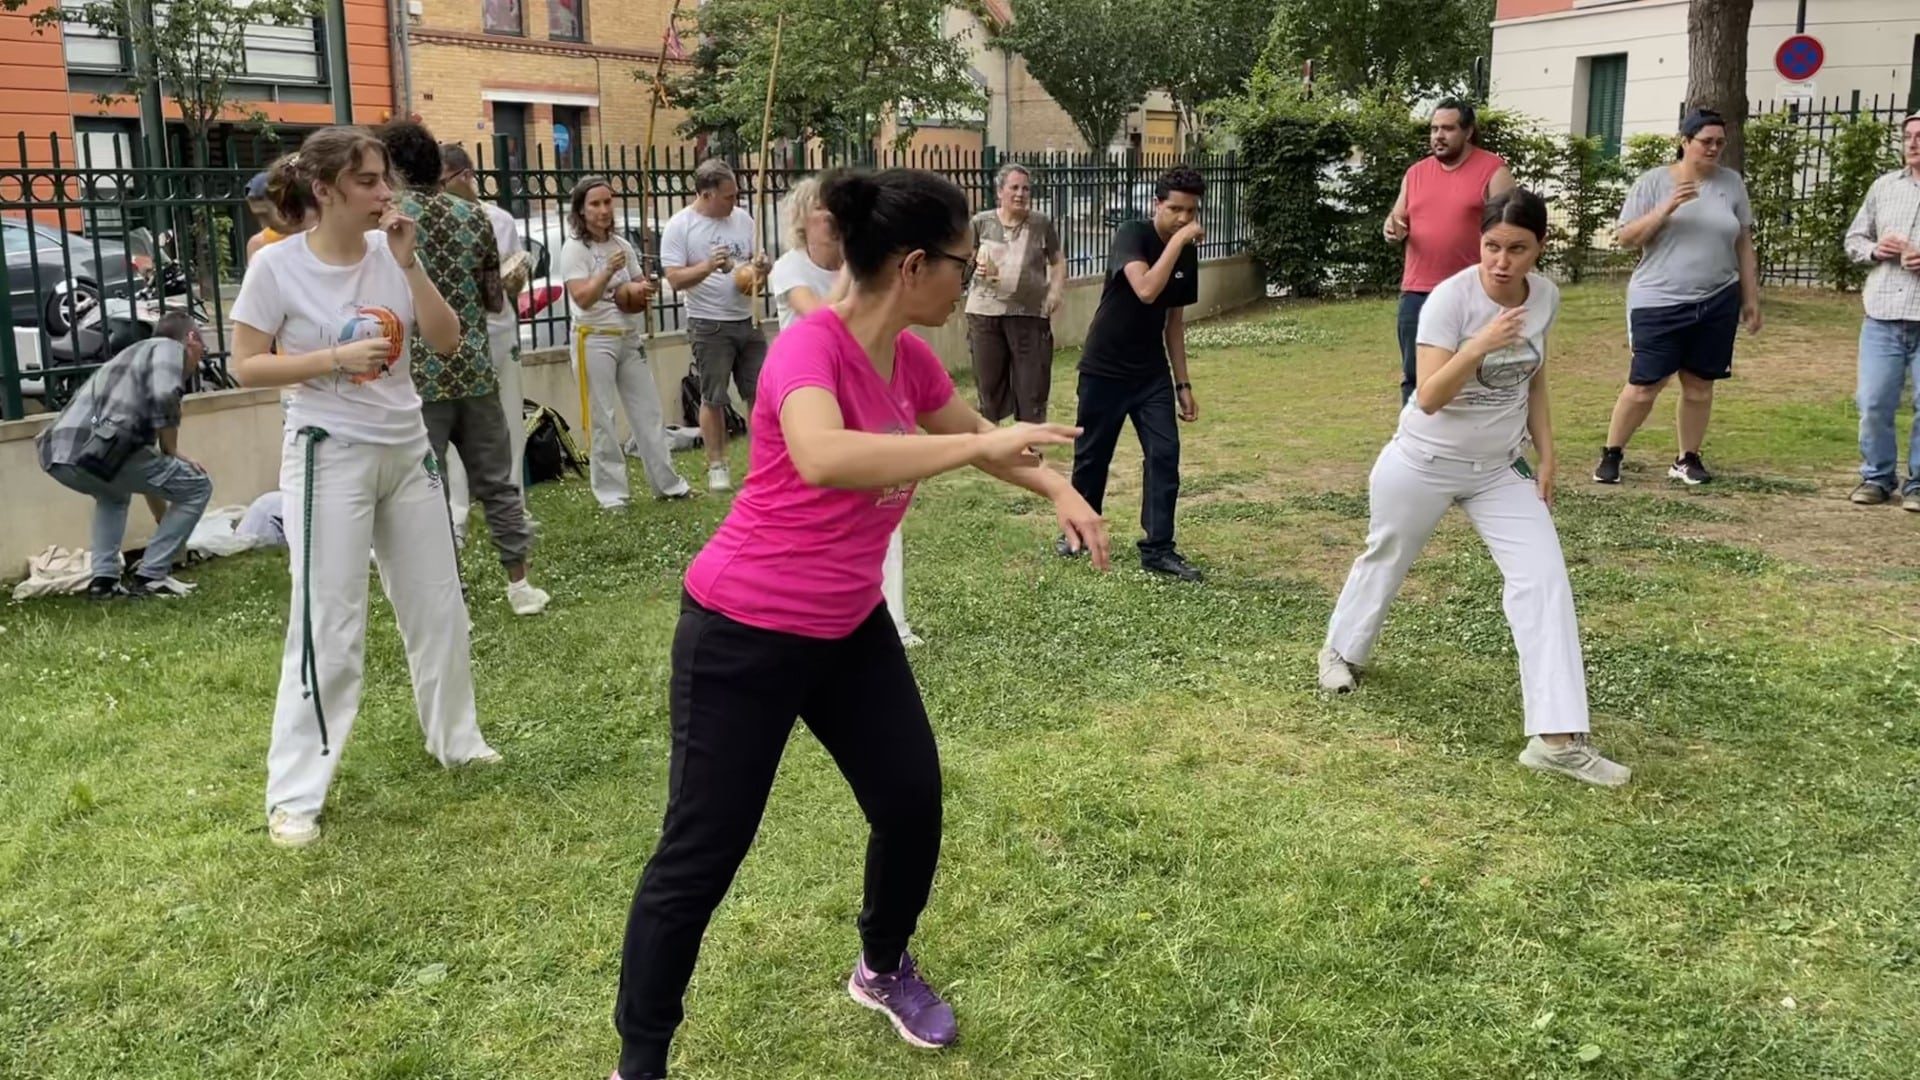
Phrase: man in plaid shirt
{"type": "Point", "coordinates": [460, 394]}
{"type": "Point", "coordinates": [118, 438]}
{"type": "Point", "coordinates": [1886, 233]}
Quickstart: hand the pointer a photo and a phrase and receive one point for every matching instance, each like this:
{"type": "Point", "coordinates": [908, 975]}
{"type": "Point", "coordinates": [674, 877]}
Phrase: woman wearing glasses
{"type": "Point", "coordinates": [782, 614]}
{"type": "Point", "coordinates": [1697, 282]}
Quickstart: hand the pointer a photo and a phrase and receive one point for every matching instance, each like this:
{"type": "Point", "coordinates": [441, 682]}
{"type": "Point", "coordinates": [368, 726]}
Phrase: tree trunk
{"type": "Point", "coordinates": [1717, 66]}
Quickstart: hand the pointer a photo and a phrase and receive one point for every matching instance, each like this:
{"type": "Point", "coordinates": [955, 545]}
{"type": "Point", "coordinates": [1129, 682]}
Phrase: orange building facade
{"type": "Point", "coordinates": [53, 81]}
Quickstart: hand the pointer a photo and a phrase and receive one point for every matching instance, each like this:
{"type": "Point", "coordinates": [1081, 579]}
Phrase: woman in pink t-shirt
{"type": "Point", "coordinates": [783, 616]}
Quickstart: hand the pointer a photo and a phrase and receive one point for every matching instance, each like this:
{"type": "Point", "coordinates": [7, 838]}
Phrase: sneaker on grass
{"type": "Point", "coordinates": [1576, 758]}
{"type": "Point", "coordinates": [918, 1014]}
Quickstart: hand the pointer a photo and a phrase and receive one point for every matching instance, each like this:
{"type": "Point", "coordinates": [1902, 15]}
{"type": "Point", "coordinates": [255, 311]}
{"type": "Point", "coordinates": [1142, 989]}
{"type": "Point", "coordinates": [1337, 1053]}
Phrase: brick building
{"type": "Point", "coordinates": [539, 78]}
{"type": "Point", "coordinates": [338, 69]}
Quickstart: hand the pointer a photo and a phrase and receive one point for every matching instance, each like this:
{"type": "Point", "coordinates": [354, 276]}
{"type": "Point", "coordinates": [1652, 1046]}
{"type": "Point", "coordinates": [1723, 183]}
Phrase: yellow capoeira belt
{"type": "Point", "coordinates": [580, 336]}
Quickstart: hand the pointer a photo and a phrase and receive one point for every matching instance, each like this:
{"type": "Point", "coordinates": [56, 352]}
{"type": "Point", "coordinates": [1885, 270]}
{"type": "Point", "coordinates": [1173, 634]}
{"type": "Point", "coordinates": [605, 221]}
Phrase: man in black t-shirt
{"type": "Point", "coordinates": [1153, 272]}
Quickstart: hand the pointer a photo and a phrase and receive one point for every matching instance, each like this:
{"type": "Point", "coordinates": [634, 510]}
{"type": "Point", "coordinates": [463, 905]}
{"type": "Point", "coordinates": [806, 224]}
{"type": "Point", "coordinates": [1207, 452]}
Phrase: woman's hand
{"type": "Point", "coordinates": [363, 357]}
{"type": "Point", "coordinates": [1012, 447]}
{"type": "Point", "coordinates": [1084, 529]}
{"type": "Point", "coordinates": [1544, 481]}
{"type": "Point", "coordinates": [1750, 316]}
{"type": "Point", "coordinates": [1504, 330]}
{"type": "Point", "coordinates": [402, 236]}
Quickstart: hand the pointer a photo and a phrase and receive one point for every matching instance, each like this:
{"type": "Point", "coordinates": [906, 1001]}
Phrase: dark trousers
{"type": "Point", "coordinates": [1105, 404]}
{"type": "Point", "coordinates": [478, 427]}
{"type": "Point", "coordinates": [734, 693]}
{"type": "Point", "coordinates": [1410, 305]}
{"type": "Point", "coordinates": [1012, 365]}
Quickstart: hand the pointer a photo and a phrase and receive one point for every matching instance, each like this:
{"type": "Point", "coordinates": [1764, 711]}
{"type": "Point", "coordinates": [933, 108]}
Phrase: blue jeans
{"type": "Point", "coordinates": [148, 472]}
{"type": "Point", "coordinates": [1409, 327]}
{"type": "Point", "coordinates": [1888, 351]}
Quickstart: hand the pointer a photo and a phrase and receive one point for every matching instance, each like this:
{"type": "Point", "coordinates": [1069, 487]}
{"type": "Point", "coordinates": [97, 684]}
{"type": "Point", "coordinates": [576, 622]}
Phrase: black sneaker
{"type": "Point", "coordinates": [1065, 550]}
{"type": "Point", "coordinates": [105, 588]}
{"type": "Point", "coordinates": [1689, 470]}
{"type": "Point", "coordinates": [1171, 564]}
{"type": "Point", "coordinates": [1608, 471]}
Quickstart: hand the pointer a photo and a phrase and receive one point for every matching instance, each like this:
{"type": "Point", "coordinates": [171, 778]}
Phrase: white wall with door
{"type": "Point", "coordinates": [1617, 67]}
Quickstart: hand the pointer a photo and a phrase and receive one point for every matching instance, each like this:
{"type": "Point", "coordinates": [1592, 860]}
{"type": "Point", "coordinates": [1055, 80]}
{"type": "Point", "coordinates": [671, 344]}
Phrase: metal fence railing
{"type": "Point", "coordinates": [86, 232]}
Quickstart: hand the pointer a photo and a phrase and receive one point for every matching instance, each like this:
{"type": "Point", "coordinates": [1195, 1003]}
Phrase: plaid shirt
{"type": "Point", "coordinates": [140, 388]}
{"type": "Point", "coordinates": [456, 240]}
{"type": "Point", "coordinates": [1892, 293]}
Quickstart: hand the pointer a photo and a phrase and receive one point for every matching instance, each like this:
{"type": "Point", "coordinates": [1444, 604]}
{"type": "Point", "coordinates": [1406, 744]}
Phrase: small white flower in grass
{"type": "Point", "coordinates": [1788, 1003]}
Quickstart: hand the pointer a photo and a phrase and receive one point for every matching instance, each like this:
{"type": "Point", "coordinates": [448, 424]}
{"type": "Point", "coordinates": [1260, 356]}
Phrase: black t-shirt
{"type": "Point", "coordinates": [1128, 338]}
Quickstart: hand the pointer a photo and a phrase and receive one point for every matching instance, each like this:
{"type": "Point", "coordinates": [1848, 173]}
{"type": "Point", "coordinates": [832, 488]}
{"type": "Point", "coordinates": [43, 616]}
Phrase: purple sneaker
{"type": "Point", "coordinates": [917, 1012]}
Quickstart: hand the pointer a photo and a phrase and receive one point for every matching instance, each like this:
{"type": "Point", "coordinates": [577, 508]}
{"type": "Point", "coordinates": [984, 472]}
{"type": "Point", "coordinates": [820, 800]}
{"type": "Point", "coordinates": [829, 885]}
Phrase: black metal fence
{"type": "Point", "coordinates": [1808, 166]}
{"type": "Point", "coordinates": [82, 233]}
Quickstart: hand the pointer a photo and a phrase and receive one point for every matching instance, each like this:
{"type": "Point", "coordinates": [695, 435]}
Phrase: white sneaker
{"type": "Point", "coordinates": [682, 490]}
{"type": "Point", "coordinates": [525, 599]}
{"type": "Point", "coordinates": [911, 639]}
{"type": "Point", "coordinates": [292, 830]}
{"type": "Point", "coordinates": [490, 757]}
{"type": "Point", "coordinates": [1576, 758]}
{"type": "Point", "coordinates": [1336, 676]}
{"type": "Point", "coordinates": [718, 479]}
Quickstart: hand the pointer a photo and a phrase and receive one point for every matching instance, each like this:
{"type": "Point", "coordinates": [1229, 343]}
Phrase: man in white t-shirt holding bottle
{"type": "Point", "coordinates": [701, 249]}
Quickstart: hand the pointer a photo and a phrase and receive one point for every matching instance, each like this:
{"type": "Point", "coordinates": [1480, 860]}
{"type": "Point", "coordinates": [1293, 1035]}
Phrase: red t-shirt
{"type": "Point", "coordinates": [802, 559]}
{"type": "Point", "coordinates": [1443, 217]}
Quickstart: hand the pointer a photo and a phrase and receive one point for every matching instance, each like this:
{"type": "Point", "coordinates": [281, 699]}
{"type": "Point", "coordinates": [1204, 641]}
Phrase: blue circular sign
{"type": "Point", "coordinates": [1799, 57]}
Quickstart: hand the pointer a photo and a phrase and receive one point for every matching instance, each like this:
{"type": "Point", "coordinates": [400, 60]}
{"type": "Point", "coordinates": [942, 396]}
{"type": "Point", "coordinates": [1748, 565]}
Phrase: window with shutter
{"type": "Point", "coordinates": [1606, 100]}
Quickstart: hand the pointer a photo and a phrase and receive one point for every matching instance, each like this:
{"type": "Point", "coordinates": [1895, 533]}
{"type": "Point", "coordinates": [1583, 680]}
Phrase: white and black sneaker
{"type": "Point", "coordinates": [1689, 470]}
{"type": "Point", "coordinates": [1608, 471]}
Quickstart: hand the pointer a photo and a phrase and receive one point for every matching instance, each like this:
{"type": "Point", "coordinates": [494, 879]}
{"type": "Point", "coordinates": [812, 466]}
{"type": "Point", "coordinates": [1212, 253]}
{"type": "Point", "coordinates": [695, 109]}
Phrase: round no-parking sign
{"type": "Point", "coordinates": [1799, 58]}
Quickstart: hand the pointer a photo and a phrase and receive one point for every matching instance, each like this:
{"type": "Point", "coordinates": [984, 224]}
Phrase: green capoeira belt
{"type": "Point", "coordinates": [309, 661]}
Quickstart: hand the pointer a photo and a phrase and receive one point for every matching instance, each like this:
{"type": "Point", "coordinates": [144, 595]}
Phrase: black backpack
{"type": "Point", "coordinates": [551, 450]}
{"type": "Point", "coordinates": [690, 405]}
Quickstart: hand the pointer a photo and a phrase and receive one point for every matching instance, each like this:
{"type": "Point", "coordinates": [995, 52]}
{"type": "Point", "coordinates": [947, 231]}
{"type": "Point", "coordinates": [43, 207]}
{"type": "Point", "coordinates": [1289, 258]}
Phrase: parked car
{"type": "Point", "coordinates": [39, 258]}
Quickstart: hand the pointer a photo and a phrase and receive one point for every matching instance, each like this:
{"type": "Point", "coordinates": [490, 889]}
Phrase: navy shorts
{"type": "Point", "coordinates": [1696, 338]}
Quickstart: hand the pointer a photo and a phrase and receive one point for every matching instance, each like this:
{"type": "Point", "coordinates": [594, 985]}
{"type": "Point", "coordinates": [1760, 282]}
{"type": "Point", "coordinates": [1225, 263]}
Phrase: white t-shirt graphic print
{"type": "Point", "coordinates": [309, 306]}
{"type": "Point", "coordinates": [1487, 419]}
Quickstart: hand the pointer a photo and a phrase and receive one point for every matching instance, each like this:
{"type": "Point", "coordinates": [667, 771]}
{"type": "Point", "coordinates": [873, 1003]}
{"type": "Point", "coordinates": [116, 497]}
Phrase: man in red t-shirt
{"type": "Point", "coordinates": [1437, 216]}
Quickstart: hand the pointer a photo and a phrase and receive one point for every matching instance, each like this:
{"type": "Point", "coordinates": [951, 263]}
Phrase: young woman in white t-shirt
{"type": "Point", "coordinates": [601, 270]}
{"type": "Point", "coordinates": [1482, 394]}
{"type": "Point", "coordinates": [327, 312]}
{"type": "Point", "coordinates": [804, 279]}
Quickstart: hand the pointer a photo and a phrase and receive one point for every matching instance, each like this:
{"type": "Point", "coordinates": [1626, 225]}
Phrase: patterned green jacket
{"type": "Point", "coordinates": [456, 240]}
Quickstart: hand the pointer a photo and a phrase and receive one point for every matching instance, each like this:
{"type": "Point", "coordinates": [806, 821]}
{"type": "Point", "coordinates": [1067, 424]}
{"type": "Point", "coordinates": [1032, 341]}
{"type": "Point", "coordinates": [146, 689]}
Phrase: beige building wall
{"type": "Point", "coordinates": [1540, 61]}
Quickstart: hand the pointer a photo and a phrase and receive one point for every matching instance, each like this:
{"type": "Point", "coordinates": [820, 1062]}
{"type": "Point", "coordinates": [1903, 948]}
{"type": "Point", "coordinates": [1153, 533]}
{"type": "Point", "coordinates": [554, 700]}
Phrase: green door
{"type": "Point", "coordinates": [1606, 100]}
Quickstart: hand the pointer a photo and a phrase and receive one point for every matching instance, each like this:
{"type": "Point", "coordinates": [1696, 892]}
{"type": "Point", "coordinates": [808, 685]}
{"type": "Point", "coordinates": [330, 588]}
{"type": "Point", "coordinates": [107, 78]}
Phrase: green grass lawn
{"type": "Point", "coordinates": [1166, 857]}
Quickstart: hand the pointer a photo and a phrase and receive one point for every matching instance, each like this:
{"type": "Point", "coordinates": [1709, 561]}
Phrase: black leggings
{"type": "Point", "coordinates": [735, 692]}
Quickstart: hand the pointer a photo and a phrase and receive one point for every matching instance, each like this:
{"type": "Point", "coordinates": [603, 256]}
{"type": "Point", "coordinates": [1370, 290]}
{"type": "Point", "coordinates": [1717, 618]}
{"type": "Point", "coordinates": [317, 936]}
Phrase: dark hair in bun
{"type": "Point", "coordinates": [899, 210]}
{"type": "Point", "coordinates": [1516, 207]}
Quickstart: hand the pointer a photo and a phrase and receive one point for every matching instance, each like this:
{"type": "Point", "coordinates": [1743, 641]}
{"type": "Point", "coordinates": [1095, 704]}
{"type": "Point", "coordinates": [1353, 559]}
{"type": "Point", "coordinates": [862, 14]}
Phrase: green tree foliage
{"type": "Point", "coordinates": [1096, 58]}
{"type": "Point", "coordinates": [1382, 48]}
{"type": "Point", "coordinates": [845, 65]}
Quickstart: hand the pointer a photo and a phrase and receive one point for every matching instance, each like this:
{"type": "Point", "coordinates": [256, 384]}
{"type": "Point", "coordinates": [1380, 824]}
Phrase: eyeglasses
{"type": "Point", "coordinates": [1712, 144]}
{"type": "Point", "coordinates": [967, 266]}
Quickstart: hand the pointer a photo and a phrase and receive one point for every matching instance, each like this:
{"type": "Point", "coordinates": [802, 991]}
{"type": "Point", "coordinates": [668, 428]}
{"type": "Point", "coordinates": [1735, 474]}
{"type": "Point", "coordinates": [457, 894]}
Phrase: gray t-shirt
{"type": "Point", "coordinates": [688, 238]}
{"type": "Point", "coordinates": [1022, 254]}
{"type": "Point", "coordinates": [582, 259]}
{"type": "Point", "coordinates": [1695, 254]}
{"type": "Point", "coordinates": [1487, 420]}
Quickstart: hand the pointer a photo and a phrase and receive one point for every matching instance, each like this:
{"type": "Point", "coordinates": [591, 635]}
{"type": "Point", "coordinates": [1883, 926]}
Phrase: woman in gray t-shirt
{"type": "Point", "coordinates": [1697, 281]}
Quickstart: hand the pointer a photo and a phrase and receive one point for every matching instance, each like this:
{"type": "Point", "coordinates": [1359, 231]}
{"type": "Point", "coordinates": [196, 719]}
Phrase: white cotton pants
{"type": "Point", "coordinates": [617, 370]}
{"type": "Point", "coordinates": [893, 583]}
{"type": "Point", "coordinates": [1408, 492]}
{"type": "Point", "coordinates": [506, 368]}
{"type": "Point", "coordinates": [385, 500]}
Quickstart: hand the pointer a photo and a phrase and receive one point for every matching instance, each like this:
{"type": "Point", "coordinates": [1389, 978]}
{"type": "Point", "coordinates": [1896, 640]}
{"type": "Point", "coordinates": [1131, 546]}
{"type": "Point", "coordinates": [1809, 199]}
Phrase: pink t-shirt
{"type": "Point", "coordinates": [802, 559]}
{"type": "Point", "coordinates": [1443, 218]}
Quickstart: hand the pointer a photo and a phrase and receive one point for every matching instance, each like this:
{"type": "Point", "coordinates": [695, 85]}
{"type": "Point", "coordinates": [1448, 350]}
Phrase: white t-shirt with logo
{"type": "Point", "coordinates": [309, 306]}
{"type": "Point", "coordinates": [795, 270]}
{"type": "Point", "coordinates": [688, 239]}
{"type": "Point", "coordinates": [1487, 419]}
{"type": "Point", "coordinates": [582, 259]}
